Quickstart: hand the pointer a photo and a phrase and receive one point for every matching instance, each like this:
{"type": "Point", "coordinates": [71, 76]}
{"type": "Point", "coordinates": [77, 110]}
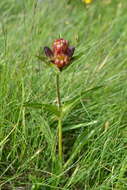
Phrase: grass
{"type": "Point", "coordinates": [93, 90]}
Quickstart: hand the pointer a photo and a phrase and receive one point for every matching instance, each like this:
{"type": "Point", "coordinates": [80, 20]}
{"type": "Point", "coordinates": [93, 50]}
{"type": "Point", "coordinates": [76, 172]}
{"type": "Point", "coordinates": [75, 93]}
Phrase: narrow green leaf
{"type": "Point", "coordinates": [49, 107]}
{"type": "Point", "coordinates": [79, 125]}
{"type": "Point", "coordinates": [72, 102]}
{"type": "Point", "coordinates": [83, 93]}
{"type": "Point", "coordinates": [53, 109]}
{"type": "Point", "coordinates": [34, 105]}
{"type": "Point", "coordinates": [75, 57]}
{"type": "Point", "coordinates": [76, 149]}
{"type": "Point", "coordinates": [42, 58]}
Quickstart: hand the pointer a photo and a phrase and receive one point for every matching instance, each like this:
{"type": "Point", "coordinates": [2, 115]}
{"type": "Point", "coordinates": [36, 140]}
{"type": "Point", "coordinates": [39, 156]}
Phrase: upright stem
{"type": "Point", "coordinates": [60, 140]}
{"type": "Point", "coordinates": [59, 120]}
{"type": "Point", "coordinates": [58, 91]}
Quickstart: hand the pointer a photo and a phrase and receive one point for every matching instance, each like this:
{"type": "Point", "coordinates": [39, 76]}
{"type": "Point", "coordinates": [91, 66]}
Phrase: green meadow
{"type": "Point", "coordinates": [93, 92]}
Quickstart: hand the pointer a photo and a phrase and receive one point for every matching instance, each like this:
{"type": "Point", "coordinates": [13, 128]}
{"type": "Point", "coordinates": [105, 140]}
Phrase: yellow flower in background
{"type": "Point", "coordinates": [87, 1]}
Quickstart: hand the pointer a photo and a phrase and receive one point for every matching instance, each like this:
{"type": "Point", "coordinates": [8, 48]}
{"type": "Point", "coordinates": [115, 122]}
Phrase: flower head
{"type": "Point", "coordinates": [60, 46]}
{"type": "Point", "coordinates": [87, 1]}
{"type": "Point", "coordinates": [61, 53]}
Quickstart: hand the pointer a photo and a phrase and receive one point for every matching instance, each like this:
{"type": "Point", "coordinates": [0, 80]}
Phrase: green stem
{"type": "Point", "coordinates": [59, 120]}
{"type": "Point", "coordinates": [60, 141]}
{"type": "Point", "coordinates": [58, 91]}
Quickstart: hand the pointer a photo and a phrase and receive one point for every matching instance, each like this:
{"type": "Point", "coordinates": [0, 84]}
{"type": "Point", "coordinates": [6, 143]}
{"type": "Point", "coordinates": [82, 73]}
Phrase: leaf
{"type": "Point", "coordinates": [48, 63]}
{"type": "Point", "coordinates": [33, 105]}
{"type": "Point", "coordinates": [75, 57]}
{"type": "Point", "coordinates": [42, 58]}
{"type": "Point", "coordinates": [79, 125]}
{"type": "Point", "coordinates": [48, 107]}
{"type": "Point", "coordinates": [53, 109]}
{"type": "Point", "coordinates": [72, 102]}
{"type": "Point", "coordinates": [80, 142]}
{"type": "Point", "coordinates": [83, 93]}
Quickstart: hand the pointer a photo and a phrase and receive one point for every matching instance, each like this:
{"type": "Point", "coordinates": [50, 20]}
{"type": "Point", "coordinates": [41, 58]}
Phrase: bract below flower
{"type": "Point", "coordinates": [60, 54]}
{"type": "Point", "coordinates": [48, 52]}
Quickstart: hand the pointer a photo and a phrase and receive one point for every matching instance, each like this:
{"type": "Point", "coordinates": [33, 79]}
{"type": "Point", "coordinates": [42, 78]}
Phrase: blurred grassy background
{"type": "Point", "coordinates": [96, 155]}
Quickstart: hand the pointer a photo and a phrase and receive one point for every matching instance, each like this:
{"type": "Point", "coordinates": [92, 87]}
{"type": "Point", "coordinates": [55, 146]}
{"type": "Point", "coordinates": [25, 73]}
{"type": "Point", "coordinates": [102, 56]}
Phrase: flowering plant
{"type": "Point", "coordinates": [60, 55]}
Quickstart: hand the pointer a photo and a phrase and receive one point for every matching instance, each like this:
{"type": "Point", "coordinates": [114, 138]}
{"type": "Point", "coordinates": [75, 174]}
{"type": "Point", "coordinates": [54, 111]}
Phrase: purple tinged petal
{"type": "Point", "coordinates": [48, 52]}
{"type": "Point", "coordinates": [70, 51]}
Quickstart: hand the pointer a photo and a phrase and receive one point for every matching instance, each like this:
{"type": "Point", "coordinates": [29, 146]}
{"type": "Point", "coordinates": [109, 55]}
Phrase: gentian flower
{"type": "Point", "coordinates": [60, 54]}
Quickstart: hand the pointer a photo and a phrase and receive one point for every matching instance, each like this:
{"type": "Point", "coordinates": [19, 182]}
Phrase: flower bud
{"type": "Point", "coordinates": [60, 46]}
{"type": "Point", "coordinates": [48, 52]}
{"type": "Point", "coordinates": [70, 51]}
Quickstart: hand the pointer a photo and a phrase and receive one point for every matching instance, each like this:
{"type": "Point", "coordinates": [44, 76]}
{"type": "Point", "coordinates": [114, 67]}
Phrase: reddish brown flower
{"type": "Point", "coordinates": [61, 54]}
{"type": "Point", "coordinates": [60, 46]}
{"type": "Point", "coordinates": [61, 60]}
